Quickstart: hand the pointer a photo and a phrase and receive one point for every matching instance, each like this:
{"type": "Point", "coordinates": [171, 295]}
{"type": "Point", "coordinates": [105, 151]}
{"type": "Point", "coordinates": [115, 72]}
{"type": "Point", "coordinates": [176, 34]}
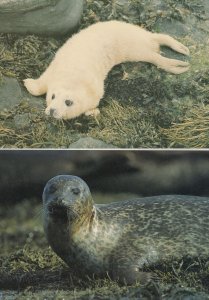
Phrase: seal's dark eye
{"type": "Point", "coordinates": [53, 96]}
{"type": "Point", "coordinates": [52, 188]}
{"type": "Point", "coordinates": [68, 102]}
{"type": "Point", "coordinates": [76, 191]}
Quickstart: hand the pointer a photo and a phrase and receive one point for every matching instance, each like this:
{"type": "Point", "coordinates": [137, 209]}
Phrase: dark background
{"type": "Point", "coordinates": [24, 173]}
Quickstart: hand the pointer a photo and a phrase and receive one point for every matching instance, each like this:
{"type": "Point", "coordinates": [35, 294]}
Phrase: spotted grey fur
{"type": "Point", "coordinates": [121, 239]}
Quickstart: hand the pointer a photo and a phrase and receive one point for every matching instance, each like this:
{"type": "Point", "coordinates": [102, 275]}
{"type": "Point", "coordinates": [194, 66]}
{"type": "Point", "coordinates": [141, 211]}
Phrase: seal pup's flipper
{"type": "Point", "coordinates": [174, 66]}
{"type": "Point", "coordinates": [94, 112]}
{"type": "Point", "coordinates": [35, 86]}
{"type": "Point", "coordinates": [167, 40]}
{"type": "Point", "coordinates": [39, 86]}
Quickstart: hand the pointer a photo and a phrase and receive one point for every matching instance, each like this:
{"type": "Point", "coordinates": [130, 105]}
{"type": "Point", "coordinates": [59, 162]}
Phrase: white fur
{"type": "Point", "coordinates": [81, 65]}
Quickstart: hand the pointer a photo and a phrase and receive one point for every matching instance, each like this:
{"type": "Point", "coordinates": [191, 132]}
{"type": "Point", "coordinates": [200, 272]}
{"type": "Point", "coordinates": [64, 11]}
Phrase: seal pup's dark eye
{"type": "Point", "coordinates": [53, 96]}
{"type": "Point", "coordinates": [68, 102]}
{"type": "Point", "coordinates": [75, 191]}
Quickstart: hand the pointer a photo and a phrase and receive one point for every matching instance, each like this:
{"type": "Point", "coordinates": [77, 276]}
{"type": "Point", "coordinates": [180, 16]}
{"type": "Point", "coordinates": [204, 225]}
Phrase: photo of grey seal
{"type": "Point", "coordinates": [122, 239]}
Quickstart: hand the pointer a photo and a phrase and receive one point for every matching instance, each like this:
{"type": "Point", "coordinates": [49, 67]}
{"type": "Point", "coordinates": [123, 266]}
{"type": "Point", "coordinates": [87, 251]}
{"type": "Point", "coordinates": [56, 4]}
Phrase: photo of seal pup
{"type": "Point", "coordinates": [74, 81]}
{"type": "Point", "coordinates": [121, 239]}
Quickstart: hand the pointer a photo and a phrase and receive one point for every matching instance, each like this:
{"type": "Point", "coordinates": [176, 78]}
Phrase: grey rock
{"type": "Point", "coordinates": [206, 7]}
{"type": "Point", "coordinates": [22, 121]}
{"type": "Point", "coordinates": [89, 143]}
{"type": "Point", "coordinates": [10, 93]}
{"type": "Point", "coordinates": [194, 24]}
{"type": "Point", "coordinates": [37, 104]}
{"type": "Point", "coordinates": [171, 27]}
{"type": "Point", "coordinates": [43, 17]}
{"type": "Point", "coordinates": [124, 7]}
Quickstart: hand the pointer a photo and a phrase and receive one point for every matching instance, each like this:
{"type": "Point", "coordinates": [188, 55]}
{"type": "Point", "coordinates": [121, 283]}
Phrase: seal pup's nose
{"type": "Point", "coordinates": [51, 112]}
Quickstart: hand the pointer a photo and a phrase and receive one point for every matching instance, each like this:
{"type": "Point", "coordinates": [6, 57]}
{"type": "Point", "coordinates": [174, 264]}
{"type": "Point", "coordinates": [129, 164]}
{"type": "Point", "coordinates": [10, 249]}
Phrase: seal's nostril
{"type": "Point", "coordinates": [51, 112]}
{"type": "Point", "coordinates": [75, 191]}
{"type": "Point", "coordinates": [52, 188]}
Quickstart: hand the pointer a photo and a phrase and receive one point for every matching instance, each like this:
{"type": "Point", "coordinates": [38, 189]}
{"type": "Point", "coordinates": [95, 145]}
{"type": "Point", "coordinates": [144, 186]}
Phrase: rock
{"type": "Point", "coordinates": [45, 17]}
{"type": "Point", "coordinates": [125, 8]}
{"type": "Point", "coordinates": [89, 143]}
{"type": "Point", "coordinates": [35, 103]}
{"type": "Point", "coordinates": [22, 121]}
{"type": "Point", "coordinates": [10, 93]}
{"type": "Point", "coordinates": [175, 28]}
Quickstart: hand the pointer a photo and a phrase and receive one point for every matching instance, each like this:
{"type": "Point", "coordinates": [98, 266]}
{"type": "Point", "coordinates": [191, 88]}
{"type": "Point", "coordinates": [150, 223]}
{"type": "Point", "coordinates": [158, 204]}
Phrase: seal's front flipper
{"type": "Point", "coordinates": [131, 274]}
{"type": "Point", "coordinates": [126, 268]}
{"type": "Point", "coordinates": [35, 86]}
{"type": "Point", "coordinates": [93, 113]}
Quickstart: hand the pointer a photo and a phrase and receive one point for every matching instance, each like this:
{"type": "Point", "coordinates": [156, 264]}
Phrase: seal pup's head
{"type": "Point", "coordinates": [65, 103]}
{"type": "Point", "coordinates": [68, 199]}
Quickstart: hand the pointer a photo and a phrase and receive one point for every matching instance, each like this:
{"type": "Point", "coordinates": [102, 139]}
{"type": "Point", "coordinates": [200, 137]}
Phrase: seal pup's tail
{"type": "Point", "coordinates": [166, 40]}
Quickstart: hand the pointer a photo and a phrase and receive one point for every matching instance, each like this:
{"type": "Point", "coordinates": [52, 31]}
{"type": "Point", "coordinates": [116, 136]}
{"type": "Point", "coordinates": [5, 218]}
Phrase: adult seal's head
{"type": "Point", "coordinates": [67, 196]}
{"type": "Point", "coordinates": [122, 239]}
{"type": "Point", "coordinates": [68, 207]}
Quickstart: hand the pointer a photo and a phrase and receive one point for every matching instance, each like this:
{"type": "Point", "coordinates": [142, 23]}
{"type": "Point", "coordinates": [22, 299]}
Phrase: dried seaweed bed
{"type": "Point", "coordinates": [142, 106]}
{"type": "Point", "coordinates": [30, 270]}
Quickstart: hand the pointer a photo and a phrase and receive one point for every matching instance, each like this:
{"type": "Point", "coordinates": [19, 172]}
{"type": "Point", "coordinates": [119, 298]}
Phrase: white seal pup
{"type": "Point", "coordinates": [74, 81]}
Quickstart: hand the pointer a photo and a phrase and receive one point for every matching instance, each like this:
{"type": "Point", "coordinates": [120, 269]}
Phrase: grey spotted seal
{"type": "Point", "coordinates": [122, 239]}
